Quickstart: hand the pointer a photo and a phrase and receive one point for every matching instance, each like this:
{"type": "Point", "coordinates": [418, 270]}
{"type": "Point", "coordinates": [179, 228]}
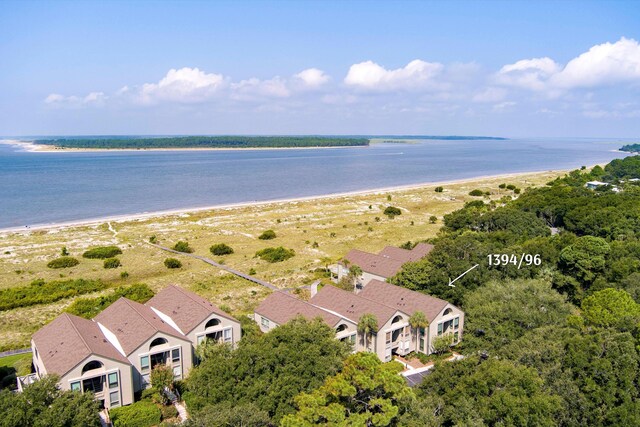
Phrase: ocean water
{"type": "Point", "coordinates": [41, 188]}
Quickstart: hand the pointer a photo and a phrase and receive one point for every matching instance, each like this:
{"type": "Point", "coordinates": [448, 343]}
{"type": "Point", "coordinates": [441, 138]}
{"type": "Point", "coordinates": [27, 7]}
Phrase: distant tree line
{"type": "Point", "coordinates": [631, 148]}
{"type": "Point", "coordinates": [206, 142]}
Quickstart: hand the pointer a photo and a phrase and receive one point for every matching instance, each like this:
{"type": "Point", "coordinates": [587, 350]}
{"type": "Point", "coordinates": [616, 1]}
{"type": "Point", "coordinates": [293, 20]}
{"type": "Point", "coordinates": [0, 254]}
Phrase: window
{"type": "Point", "coordinates": [75, 386]}
{"type": "Point", "coordinates": [447, 311]}
{"type": "Point", "coordinates": [440, 328]}
{"type": "Point", "coordinates": [94, 384]}
{"type": "Point", "coordinates": [455, 337]}
{"type": "Point", "coordinates": [94, 364]}
{"type": "Point", "coordinates": [264, 322]}
{"type": "Point", "coordinates": [212, 322]}
{"type": "Point", "coordinates": [113, 380]}
{"type": "Point", "coordinates": [201, 338]}
{"type": "Point", "coordinates": [456, 321]}
{"type": "Point", "coordinates": [421, 338]}
{"type": "Point", "coordinates": [114, 398]}
{"type": "Point", "coordinates": [175, 355]}
{"type": "Point", "coordinates": [227, 335]}
{"type": "Point", "coordinates": [396, 319]}
{"type": "Point", "coordinates": [177, 372]}
{"type": "Point", "coordinates": [157, 342]}
{"type": "Point", "coordinates": [341, 328]}
{"type": "Point", "coordinates": [144, 363]}
{"type": "Point", "coordinates": [388, 338]}
{"type": "Point", "coordinates": [145, 380]}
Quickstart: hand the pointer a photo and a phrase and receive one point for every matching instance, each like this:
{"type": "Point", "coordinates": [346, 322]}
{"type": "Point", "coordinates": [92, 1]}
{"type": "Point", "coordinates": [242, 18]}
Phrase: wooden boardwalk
{"type": "Point", "coordinates": [220, 266]}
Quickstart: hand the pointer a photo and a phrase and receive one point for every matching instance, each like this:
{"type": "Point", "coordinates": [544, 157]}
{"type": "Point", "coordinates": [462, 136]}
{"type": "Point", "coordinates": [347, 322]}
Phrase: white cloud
{"type": "Point", "coordinates": [371, 76]}
{"type": "Point", "coordinates": [252, 88]}
{"type": "Point", "coordinates": [528, 73]}
{"type": "Point", "coordinates": [186, 85]}
{"type": "Point", "coordinates": [602, 65]}
{"type": "Point", "coordinates": [490, 94]}
{"type": "Point", "coordinates": [61, 101]}
{"type": "Point", "coordinates": [312, 77]}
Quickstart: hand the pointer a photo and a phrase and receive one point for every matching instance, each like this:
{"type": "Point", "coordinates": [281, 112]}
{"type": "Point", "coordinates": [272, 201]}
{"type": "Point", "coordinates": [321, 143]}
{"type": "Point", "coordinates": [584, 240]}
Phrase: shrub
{"type": "Point", "coordinates": [139, 414]}
{"type": "Point", "coordinates": [516, 190]}
{"type": "Point", "coordinates": [252, 271]}
{"type": "Point", "coordinates": [433, 219]}
{"type": "Point", "coordinates": [182, 246]}
{"type": "Point", "coordinates": [278, 254]}
{"type": "Point", "coordinates": [102, 252]}
{"type": "Point", "coordinates": [153, 239]}
{"type": "Point", "coordinates": [90, 307]}
{"type": "Point", "coordinates": [502, 186]}
{"type": "Point", "coordinates": [511, 187]}
{"type": "Point", "coordinates": [169, 411]}
{"type": "Point", "coordinates": [267, 235]}
{"type": "Point", "coordinates": [41, 292]}
{"type": "Point", "coordinates": [64, 251]}
{"type": "Point", "coordinates": [221, 249]}
{"type": "Point", "coordinates": [63, 262]}
{"type": "Point", "coordinates": [441, 344]}
{"type": "Point", "coordinates": [111, 263]}
{"type": "Point", "coordinates": [439, 189]}
{"type": "Point", "coordinates": [124, 275]}
{"type": "Point", "coordinates": [392, 212]}
{"type": "Point", "coordinates": [172, 263]}
{"type": "Point", "coordinates": [476, 193]}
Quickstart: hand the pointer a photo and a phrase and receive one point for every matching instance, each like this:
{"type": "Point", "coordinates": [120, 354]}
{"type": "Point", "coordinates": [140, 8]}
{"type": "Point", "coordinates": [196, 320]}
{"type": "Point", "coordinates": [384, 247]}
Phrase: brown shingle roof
{"type": "Point", "coordinates": [403, 299]}
{"type": "Point", "coordinates": [404, 255]}
{"type": "Point", "coordinates": [372, 263]}
{"type": "Point", "coordinates": [281, 307]}
{"type": "Point", "coordinates": [133, 323]}
{"type": "Point", "coordinates": [68, 340]}
{"type": "Point", "coordinates": [389, 261]}
{"type": "Point", "coordinates": [350, 305]}
{"type": "Point", "coordinates": [185, 308]}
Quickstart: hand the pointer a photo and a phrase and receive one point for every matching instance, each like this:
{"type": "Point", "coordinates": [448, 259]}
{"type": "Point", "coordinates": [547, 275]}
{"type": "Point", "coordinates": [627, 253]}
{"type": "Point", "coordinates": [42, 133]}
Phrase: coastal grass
{"type": "Point", "coordinates": [320, 231]}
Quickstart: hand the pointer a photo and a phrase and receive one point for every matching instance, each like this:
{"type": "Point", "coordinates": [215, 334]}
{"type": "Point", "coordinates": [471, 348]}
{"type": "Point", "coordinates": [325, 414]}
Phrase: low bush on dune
{"type": "Point", "coordinates": [182, 246]}
{"type": "Point", "coordinates": [102, 252]}
{"type": "Point", "coordinates": [41, 292]}
{"type": "Point", "coordinates": [63, 262]}
{"type": "Point", "coordinates": [267, 235]}
{"type": "Point", "coordinates": [172, 263]}
{"type": "Point", "coordinates": [278, 254]}
{"type": "Point", "coordinates": [111, 263]}
{"type": "Point", "coordinates": [221, 249]}
{"type": "Point", "coordinates": [90, 307]}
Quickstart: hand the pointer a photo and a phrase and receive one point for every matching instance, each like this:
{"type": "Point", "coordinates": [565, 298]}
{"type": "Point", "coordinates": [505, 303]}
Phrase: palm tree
{"type": "Point", "coordinates": [418, 320]}
{"type": "Point", "coordinates": [367, 324]}
{"type": "Point", "coordinates": [355, 272]}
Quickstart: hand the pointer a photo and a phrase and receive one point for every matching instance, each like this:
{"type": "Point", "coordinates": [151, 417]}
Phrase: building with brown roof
{"type": "Point", "coordinates": [280, 307]}
{"type": "Point", "coordinates": [380, 266]}
{"type": "Point", "coordinates": [392, 307]}
{"type": "Point", "coordinates": [79, 352]}
{"type": "Point", "coordinates": [113, 354]}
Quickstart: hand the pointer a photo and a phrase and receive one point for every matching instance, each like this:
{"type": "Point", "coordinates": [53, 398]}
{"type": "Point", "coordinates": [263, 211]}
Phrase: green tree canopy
{"type": "Point", "coordinates": [366, 393]}
{"type": "Point", "coordinates": [611, 307]}
{"type": "Point", "coordinates": [268, 370]}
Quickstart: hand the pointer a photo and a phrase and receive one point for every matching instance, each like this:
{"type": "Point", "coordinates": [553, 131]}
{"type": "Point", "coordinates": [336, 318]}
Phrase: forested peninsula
{"type": "Point", "coordinates": [631, 148]}
{"type": "Point", "coordinates": [203, 142]}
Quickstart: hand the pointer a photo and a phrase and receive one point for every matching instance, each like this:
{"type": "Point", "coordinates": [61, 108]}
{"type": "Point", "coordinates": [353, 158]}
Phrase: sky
{"type": "Point", "coordinates": [494, 68]}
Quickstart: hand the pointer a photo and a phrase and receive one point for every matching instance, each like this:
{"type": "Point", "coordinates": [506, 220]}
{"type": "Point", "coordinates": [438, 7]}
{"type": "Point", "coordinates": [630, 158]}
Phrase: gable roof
{"type": "Point", "coordinates": [68, 340]}
{"type": "Point", "coordinates": [389, 261]}
{"type": "Point", "coordinates": [403, 299]}
{"type": "Point", "coordinates": [418, 252]}
{"type": "Point", "coordinates": [185, 308]}
{"type": "Point", "coordinates": [133, 323]}
{"type": "Point", "coordinates": [351, 306]}
{"type": "Point", "coordinates": [282, 307]}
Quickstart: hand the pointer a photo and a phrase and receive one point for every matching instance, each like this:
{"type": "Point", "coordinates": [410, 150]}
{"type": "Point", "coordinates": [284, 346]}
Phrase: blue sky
{"type": "Point", "coordinates": [558, 68]}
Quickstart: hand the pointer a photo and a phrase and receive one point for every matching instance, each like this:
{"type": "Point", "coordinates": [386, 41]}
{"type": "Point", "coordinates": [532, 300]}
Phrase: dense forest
{"type": "Point", "coordinates": [554, 343]}
{"type": "Point", "coordinates": [205, 142]}
{"type": "Point", "coordinates": [631, 148]}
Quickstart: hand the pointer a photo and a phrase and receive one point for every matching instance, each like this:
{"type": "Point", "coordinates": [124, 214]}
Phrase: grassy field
{"type": "Point", "coordinates": [320, 231]}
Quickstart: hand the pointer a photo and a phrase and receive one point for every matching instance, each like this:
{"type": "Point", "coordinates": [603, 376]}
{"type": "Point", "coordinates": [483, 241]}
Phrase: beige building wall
{"type": "Point", "coordinates": [264, 322]}
{"type": "Point", "coordinates": [180, 365]}
{"type": "Point", "coordinates": [114, 393]}
{"type": "Point", "coordinates": [228, 329]}
{"type": "Point", "coordinates": [396, 327]}
{"type": "Point", "coordinates": [450, 326]}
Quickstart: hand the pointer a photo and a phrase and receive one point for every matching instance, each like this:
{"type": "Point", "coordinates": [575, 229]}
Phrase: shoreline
{"type": "Point", "coordinates": [229, 206]}
{"type": "Point", "coordinates": [42, 148]}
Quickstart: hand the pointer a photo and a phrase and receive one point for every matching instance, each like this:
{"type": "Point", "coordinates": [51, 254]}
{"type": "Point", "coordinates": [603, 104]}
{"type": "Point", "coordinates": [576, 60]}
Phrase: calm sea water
{"type": "Point", "coordinates": [38, 188]}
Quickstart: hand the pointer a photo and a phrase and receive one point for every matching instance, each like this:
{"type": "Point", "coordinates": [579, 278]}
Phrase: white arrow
{"type": "Point", "coordinates": [451, 281]}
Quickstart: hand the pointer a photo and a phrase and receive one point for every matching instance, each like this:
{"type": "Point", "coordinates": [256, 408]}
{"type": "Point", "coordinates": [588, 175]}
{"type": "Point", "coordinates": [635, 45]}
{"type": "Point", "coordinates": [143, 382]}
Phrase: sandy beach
{"type": "Point", "coordinates": [279, 202]}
